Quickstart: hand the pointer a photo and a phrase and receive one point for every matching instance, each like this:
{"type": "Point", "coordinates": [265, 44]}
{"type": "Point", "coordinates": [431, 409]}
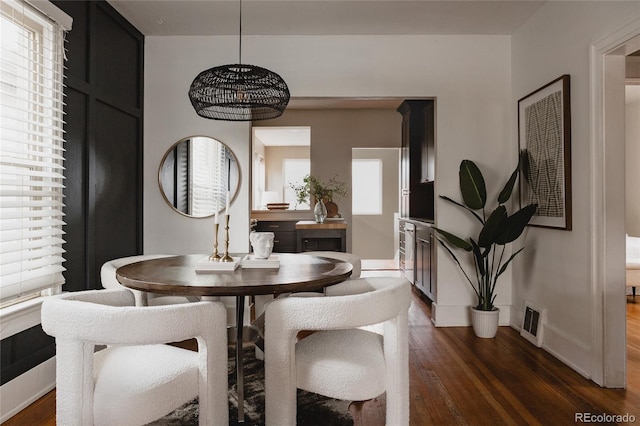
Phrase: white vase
{"type": "Point", "coordinates": [485, 323]}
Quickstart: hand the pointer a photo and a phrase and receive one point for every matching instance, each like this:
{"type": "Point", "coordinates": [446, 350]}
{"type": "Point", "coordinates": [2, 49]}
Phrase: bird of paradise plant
{"type": "Point", "coordinates": [497, 230]}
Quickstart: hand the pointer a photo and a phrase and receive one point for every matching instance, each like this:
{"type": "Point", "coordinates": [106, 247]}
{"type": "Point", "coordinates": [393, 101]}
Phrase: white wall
{"type": "Point", "coordinates": [274, 159]}
{"type": "Point", "coordinates": [632, 157]}
{"type": "Point", "coordinates": [171, 64]}
{"type": "Point", "coordinates": [469, 76]}
{"type": "Point", "coordinates": [334, 132]}
{"type": "Point", "coordinates": [373, 236]}
{"type": "Point", "coordinates": [554, 271]}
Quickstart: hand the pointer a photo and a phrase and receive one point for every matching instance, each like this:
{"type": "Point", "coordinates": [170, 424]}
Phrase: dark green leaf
{"type": "Point", "coordinates": [504, 266]}
{"type": "Point", "coordinates": [516, 223]}
{"type": "Point", "coordinates": [525, 165]}
{"type": "Point", "coordinates": [444, 197]}
{"type": "Point", "coordinates": [505, 194]}
{"type": "Point", "coordinates": [493, 227]}
{"type": "Point", "coordinates": [479, 257]}
{"type": "Point", "coordinates": [453, 256]}
{"type": "Point", "coordinates": [472, 186]}
{"type": "Point", "coordinates": [454, 240]}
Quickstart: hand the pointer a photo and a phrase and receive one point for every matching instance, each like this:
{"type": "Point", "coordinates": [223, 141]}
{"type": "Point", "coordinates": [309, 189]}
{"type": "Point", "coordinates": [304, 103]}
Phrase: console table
{"type": "Point", "coordinates": [328, 236]}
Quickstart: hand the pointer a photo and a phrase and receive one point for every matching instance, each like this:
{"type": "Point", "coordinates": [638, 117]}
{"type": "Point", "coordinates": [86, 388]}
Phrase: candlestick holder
{"type": "Point", "coordinates": [215, 257]}
{"type": "Point", "coordinates": [226, 257]}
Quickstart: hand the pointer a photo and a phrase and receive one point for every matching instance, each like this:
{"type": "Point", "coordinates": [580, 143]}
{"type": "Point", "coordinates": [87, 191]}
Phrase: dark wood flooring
{"type": "Point", "coordinates": [458, 379]}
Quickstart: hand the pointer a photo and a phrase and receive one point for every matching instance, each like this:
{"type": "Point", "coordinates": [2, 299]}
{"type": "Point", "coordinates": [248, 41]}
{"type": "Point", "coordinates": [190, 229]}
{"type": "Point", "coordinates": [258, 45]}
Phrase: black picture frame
{"type": "Point", "coordinates": [544, 142]}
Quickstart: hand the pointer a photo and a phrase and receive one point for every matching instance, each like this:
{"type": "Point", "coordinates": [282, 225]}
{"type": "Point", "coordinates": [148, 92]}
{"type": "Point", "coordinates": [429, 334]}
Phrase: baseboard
{"type": "Point", "coordinates": [19, 393]}
{"type": "Point", "coordinates": [568, 350]}
{"type": "Point", "coordinates": [460, 316]}
{"type": "Point", "coordinates": [571, 352]}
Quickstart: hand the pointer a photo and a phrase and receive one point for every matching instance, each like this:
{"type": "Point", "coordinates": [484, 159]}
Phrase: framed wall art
{"type": "Point", "coordinates": [544, 138]}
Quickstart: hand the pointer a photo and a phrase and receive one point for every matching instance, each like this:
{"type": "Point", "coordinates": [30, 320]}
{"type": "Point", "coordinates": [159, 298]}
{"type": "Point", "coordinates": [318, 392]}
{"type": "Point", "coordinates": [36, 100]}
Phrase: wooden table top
{"type": "Point", "coordinates": [331, 224]}
{"type": "Point", "coordinates": [177, 275]}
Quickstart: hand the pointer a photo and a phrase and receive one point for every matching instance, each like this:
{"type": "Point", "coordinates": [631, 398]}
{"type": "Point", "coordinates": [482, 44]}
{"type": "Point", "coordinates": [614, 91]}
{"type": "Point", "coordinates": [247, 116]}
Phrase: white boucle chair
{"type": "Point", "coordinates": [356, 268]}
{"type": "Point", "coordinates": [260, 302]}
{"type": "Point", "coordinates": [137, 378]}
{"type": "Point", "coordinates": [109, 280]}
{"type": "Point", "coordinates": [339, 359]}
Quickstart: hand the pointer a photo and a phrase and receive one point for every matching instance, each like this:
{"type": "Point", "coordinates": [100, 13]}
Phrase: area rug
{"type": "Point", "coordinates": [313, 409]}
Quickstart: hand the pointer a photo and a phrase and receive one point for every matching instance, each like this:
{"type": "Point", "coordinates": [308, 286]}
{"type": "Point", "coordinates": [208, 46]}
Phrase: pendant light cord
{"type": "Point", "coordinates": [240, 31]}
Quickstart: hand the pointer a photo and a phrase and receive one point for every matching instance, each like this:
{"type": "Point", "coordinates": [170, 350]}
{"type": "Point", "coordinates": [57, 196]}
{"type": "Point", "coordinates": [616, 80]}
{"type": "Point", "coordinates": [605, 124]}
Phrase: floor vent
{"type": "Point", "coordinates": [533, 323]}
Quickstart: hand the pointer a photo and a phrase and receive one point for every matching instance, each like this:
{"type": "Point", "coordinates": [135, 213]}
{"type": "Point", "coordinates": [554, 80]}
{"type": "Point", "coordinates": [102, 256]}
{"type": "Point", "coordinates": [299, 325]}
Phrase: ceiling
{"type": "Point", "coordinates": [326, 17]}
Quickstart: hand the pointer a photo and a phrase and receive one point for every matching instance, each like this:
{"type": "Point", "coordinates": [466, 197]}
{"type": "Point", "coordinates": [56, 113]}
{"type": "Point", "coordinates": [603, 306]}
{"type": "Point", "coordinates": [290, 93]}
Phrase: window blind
{"type": "Point", "coordinates": [31, 150]}
{"type": "Point", "coordinates": [208, 178]}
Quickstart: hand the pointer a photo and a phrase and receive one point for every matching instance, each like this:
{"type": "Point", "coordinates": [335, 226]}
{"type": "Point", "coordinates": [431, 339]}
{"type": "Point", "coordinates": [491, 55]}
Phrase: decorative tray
{"type": "Point", "coordinates": [277, 206]}
{"type": "Point", "coordinates": [206, 265]}
{"type": "Point", "coordinates": [250, 261]}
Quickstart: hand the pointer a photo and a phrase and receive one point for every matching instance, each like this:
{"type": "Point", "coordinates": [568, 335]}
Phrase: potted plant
{"type": "Point", "coordinates": [322, 192]}
{"type": "Point", "coordinates": [488, 247]}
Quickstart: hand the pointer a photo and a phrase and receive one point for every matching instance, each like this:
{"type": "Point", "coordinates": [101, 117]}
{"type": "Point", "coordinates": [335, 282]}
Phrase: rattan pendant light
{"type": "Point", "coordinates": [239, 92]}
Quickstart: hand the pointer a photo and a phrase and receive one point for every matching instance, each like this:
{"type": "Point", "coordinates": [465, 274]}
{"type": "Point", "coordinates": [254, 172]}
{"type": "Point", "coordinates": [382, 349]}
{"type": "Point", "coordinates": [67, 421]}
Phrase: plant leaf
{"type": "Point", "coordinates": [493, 227]}
{"type": "Point", "coordinates": [454, 240]}
{"type": "Point", "coordinates": [479, 257]}
{"type": "Point", "coordinates": [444, 197]}
{"type": "Point", "coordinates": [525, 164]}
{"type": "Point", "coordinates": [453, 256]}
{"type": "Point", "coordinates": [472, 186]}
{"type": "Point", "coordinates": [504, 266]}
{"type": "Point", "coordinates": [516, 223]}
{"type": "Point", "coordinates": [505, 194]}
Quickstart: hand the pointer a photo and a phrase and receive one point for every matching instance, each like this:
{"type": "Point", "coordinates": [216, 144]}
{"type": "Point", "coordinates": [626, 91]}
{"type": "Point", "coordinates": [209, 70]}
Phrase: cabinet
{"type": "Point", "coordinates": [401, 247]}
{"type": "Point", "coordinates": [312, 236]}
{"type": "Point", "coordinates": [293, 236]}
{"type": "Point", "coordinates": [417, 164]}
{"type": "Point", "coordinates": [425, 262]}
{"type": "Point", "coordinates": [417, 255]}
{"type": "Point", "coordinates": [285, 234]}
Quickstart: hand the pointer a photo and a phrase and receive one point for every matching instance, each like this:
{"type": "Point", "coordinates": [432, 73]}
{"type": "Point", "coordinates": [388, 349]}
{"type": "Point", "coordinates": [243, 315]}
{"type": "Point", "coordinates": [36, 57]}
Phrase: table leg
{"type": "Point", "coordinates": [239, 354]}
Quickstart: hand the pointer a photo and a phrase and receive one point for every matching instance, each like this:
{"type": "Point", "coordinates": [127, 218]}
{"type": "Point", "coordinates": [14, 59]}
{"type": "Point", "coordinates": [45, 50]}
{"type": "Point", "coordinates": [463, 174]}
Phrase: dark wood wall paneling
{"type": "Point", "coordinates": [104, 140]}
{"type": "Point", "coordinates": [103, 159]}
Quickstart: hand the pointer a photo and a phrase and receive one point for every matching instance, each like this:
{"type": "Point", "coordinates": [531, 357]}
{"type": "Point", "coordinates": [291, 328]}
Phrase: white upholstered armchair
{"type": "Point", "coordinates": [137, 378]}
{"type": "Point", "coordinates": [339, 359]}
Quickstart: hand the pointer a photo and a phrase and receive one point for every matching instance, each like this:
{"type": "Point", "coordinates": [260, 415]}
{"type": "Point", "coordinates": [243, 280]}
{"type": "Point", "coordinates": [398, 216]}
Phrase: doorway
{"type": "Point", "coordinates": [375, 202]}
{"type": "Point", "coordinates": [608, 246]}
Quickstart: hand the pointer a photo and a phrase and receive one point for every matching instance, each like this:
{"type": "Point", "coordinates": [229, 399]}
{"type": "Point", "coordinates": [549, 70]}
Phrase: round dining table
{"type": "Point", "coordinates": [182, 275]}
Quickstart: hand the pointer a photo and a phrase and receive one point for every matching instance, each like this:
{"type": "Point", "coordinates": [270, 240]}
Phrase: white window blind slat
{"type": "Point", "coordinates": [16, 234]}
{"type": "Point", "coordinates": [15, 261]}
{"type": "Point", "coordinates": [27, 213]}
{"type": "Point", "coordinates": [26, 225]}
{"type": "Point", "coordinates": [31, 149]}
{"type": "Point", "coordinates": [17, 245]}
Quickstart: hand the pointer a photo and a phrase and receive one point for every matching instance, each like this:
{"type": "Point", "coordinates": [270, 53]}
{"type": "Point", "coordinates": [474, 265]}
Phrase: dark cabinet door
{"type": "Point", "coordinates": [425, 278]}
{"type": "Point", "coordinates": [418, 158]}
{"type": "Point", "coordinates": [284, 234]}
{"type": "Point", "coordinates": [427, 144]}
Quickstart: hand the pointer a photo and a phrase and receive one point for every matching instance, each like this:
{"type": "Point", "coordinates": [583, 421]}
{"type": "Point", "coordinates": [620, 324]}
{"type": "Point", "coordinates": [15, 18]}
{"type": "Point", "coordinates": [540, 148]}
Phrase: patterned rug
{"type": "Point", "coordinates": [313, 409]}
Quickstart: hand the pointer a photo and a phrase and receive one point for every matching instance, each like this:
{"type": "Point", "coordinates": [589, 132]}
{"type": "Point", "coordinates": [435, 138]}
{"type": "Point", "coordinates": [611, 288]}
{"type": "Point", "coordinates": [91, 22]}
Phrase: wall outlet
{"type": "Point", "coordinates": [533, 323]}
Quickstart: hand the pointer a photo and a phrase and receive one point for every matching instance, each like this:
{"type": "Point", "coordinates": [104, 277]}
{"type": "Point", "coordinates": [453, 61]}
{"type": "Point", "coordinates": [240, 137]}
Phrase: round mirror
{"type": "Point", "coordinates": [198, 176]}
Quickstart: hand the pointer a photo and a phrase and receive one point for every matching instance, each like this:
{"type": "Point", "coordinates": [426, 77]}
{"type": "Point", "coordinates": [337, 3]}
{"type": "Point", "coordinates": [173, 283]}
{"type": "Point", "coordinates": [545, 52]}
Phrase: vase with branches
{"type": "Point", "coordinates": [323, 194]}
{"type": "Point", "coordinates": [313, 186]}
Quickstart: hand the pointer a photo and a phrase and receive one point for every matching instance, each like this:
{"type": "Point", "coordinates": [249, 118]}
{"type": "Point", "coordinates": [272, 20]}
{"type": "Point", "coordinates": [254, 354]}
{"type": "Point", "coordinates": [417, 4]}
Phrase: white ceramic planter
{"type": "Point", "coordinates": [485, 323]}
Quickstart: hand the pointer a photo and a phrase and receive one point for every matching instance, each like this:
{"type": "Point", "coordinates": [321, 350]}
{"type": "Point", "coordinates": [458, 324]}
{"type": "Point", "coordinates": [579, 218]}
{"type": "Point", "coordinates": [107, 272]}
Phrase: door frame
{"type": "Point", "coordinates": [607, 65]}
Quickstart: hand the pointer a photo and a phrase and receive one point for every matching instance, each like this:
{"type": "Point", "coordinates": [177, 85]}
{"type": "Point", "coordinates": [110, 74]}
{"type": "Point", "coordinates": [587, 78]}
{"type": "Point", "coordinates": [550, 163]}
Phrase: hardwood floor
{"type": "Point", "coordinates": [458, 379]}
